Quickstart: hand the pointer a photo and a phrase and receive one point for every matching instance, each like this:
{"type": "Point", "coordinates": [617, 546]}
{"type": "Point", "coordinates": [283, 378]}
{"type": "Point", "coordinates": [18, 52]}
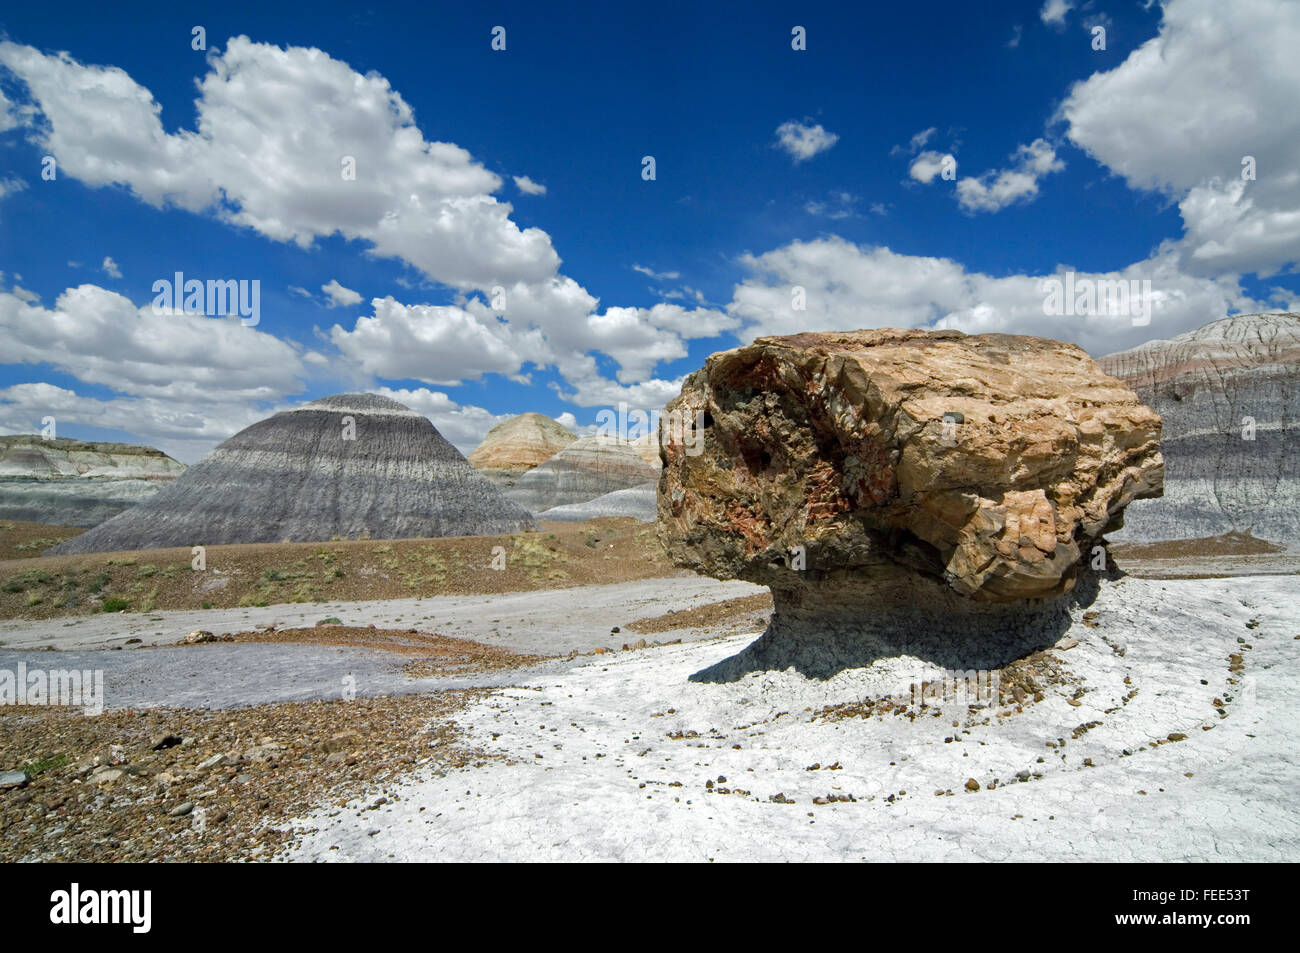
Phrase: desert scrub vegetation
{"type": "Point", "coordinates": [149, 570]}
{"type": "Point", "coordinates": [71, 584]}
{"type": "Point", "coordinates": [60, 590]}
{"type": "Point", "coordinates": [24, 540]}
{"type": "Point", "coordinates": [328, 556]}
{"type": "Point", "coordinates": [538, 556]}
{"type": "Point", "coordinates": [270, 573]}
{"type": "Point", "coordinates": [31, 579]}
{"type": "Point", "coordinates": [413, 575]}
{"type": "Point", "coordinates": [148, 602]}
{"type": "Point", "coordinates": [296, 583]}
{"type": "Point", "coordinates": [49, 763]}
{"type": "Point", "coordinates": [37, 545]}
{"type": "Point", "coordinates": [34, 587]}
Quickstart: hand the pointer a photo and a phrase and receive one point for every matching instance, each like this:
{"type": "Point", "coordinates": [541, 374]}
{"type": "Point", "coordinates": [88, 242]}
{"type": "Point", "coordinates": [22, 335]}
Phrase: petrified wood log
{"type": "Point", "coordinates": [868, 470]}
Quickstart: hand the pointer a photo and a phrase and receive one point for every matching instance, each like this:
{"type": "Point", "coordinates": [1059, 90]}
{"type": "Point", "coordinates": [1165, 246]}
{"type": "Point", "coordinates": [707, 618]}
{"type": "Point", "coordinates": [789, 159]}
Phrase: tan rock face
{"type": "Point", "coordinates": [647, 448]}
{"type": "Point", "coordinates": [986, 463]}
{"type": "Point", "coordinates": [515, 446]}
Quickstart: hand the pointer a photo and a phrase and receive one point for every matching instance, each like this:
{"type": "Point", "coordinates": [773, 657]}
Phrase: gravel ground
{"type": "Point", "coordinates": [1214, 567]}
{"type": "Point", "coordinates": [548, 622]}
{"type": "Point", "coordinates": [144, 781]}
{"type": "Point", "coordinates": [1158, 729]}
{"type": "Point", "coordinates": [168, 784]}
{"type": "Point", "coordinates": [295, 717]}
{"type": "Point", "coordinates": [256, 669]}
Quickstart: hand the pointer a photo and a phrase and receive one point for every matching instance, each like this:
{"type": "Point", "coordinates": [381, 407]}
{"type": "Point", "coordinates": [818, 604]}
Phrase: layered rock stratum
{"type": "Point", "coordinates": [941, 478]}
{"type": "Point", "coordinates": [343, 467]}
{"type": "Point", "coordinates": [638, 502]}
{"type": "Point", "coordinates": [1229, 394]}
{"type": "Point", "coordinates": [515, 446]}
{"type": "Point", "coordinates": [590, 467]}
{"type": "Point", "coordinates": [77, 483]}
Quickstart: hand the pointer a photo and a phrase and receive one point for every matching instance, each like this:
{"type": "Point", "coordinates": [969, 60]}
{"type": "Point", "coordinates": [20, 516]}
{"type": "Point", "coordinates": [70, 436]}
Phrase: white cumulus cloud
{"type": "Point", "coordinates": [1167, 120]}
{"type": "Point", "coordinates": [846, 286]}
{"type": "Point", "coordinates": [803, 140]}
{"type": "Point", "coordinates": [339, 296]}
{"type": "Point", "coordinates": [929, 164]}
{"type": "Point", "coordinates": [528, 186]}
{"type": "Point", "coordinates": [295, 145]}
{"type": "Point", "coordinates": [8, 118]}
{"type": "Point", "coordinates": [996, 189]}
{"type": "Point", "coordinates": [102, 338]}
{"type": "Point", "coordinates": [9, 185]}
{"type": "Point", "coordinates": [1054, 12]}
{"type": "Point", "coordinates": [464, 425]}
{"type": "Point", "coordinates": [437, 344]}
{"type": "Point", "coordinates": [657, 275]}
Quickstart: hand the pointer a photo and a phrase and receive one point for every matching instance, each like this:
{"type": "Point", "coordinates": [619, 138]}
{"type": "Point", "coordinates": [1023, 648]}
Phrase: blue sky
{"type": "Point", "coordinates": [775, 168]}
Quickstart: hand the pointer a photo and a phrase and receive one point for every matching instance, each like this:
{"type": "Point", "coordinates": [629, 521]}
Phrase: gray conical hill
{"type": "Point", "coordinates": [1229, 394]}
{"type": "Point", "coordinates": [295, 477]}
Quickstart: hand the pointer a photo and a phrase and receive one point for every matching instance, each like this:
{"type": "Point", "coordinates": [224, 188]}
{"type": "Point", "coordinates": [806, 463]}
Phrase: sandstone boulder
{"type": "Point", "coordinates": [854, 471]}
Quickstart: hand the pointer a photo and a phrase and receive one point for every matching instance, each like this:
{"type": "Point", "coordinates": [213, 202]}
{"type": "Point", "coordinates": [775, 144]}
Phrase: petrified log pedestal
{"type": "Point", "coordinates": [847, 620]}
{"type": "Point", "coordinates": [905, 492]}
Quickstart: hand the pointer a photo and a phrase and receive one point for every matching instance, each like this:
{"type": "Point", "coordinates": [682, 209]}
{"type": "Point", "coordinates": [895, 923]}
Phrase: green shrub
{"type": "Point", "coordinates": [51, 763]}
{"type": "Point", "coordinates": [45, 542]}
{"type": "Point", "coordinates": [28, 579]}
